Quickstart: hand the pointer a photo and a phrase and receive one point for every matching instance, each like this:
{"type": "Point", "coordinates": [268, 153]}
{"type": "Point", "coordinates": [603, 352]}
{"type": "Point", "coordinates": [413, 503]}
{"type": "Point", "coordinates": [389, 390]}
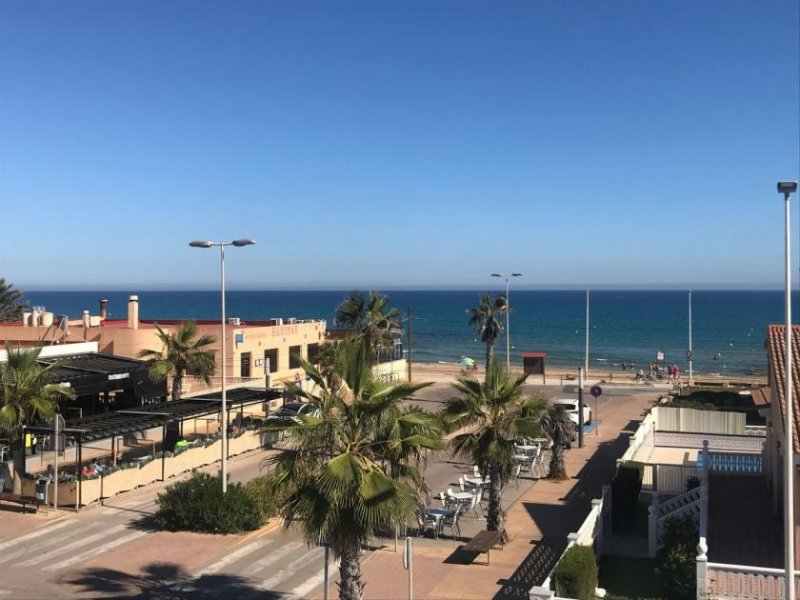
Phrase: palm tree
{"type": "Point", "coordinates": [182, 353]}
{"type": "Point", "coordinates": [498, 414]}
{"type": "Point", "coordinates": [26, 394]}
{"type": "Point", "coordinates": [371, 317]}
{"type": "Point", "coordinates": [486, 319]}
{"type": "Point", "coordinates": [351, 472]}
{"type": "Point", "coordinates": [557, 425]}
{"type": "Point", "coordinates": [12, 302]}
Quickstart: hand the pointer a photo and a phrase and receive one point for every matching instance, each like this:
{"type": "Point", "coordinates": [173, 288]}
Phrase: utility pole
{"type": "Point", "coordinates": [586, 357]}
{"type": "Point", "coordinates": [410, 340]}
{"type": "Point", "coordinates": [580, 407]}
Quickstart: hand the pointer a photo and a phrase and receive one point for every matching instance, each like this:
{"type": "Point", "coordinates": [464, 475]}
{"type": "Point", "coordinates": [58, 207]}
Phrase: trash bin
{"type": "Point", "coordinates": [42, 485]}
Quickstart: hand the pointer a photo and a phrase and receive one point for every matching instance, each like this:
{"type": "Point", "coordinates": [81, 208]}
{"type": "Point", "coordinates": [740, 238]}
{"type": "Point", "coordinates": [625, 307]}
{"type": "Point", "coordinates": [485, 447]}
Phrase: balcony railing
{"type": "Point", "coordinates": [736, 582]}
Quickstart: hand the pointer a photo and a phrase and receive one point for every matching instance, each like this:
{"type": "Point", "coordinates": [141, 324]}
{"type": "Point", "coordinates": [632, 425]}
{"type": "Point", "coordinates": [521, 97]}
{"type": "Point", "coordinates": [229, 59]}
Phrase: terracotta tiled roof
{"type": "Point", "coordinates": [761, 397]}
{"type": "Point", "coordinates": [775, 350]}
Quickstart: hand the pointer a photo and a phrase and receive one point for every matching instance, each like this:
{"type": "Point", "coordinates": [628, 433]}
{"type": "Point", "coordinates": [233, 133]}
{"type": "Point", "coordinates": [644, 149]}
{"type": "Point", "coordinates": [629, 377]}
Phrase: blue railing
{"type": "Point", "coordinates": [732, 463]}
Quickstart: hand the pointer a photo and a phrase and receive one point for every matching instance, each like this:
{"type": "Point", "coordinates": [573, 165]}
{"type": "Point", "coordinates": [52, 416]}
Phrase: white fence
{"type": "Point", "coordinates": [691, 420]}
{"type": "Point", "coordinates": [590, 533]}
{"type": "Point", "coordinates": [641, 443]}
{"type": "Point", "coordinates": [734, 582]}
{"type": "Point", "coordinates": [749, 444]}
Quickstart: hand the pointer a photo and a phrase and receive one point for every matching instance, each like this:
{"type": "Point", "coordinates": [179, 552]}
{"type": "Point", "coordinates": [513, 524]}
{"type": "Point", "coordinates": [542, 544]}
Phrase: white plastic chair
{"type": "Point", "coordinates": [476, 471]}
{"type": "Point", "coordinates": [515, 474]}
{"type": "Point", "coordinates": [462, 483]}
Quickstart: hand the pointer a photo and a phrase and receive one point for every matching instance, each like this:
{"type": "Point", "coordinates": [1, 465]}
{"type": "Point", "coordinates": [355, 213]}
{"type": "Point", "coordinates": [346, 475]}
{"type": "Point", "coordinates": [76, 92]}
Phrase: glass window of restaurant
{"type": "Point", "coordinates": [271, 355]}
{"type": "Point", "coordinates": [245, 364]}
{"type": "Point", "coordinates": [294, 356]}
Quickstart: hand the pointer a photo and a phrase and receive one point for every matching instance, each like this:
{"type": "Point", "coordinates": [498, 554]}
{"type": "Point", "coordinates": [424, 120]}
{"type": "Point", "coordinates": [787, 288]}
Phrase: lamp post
{"type": "Point", "coordinates": [221, 246]}
{"type": "Point", "coordinates": [787, 188]}
{"type": "Point", "coordinates": [508, 322]}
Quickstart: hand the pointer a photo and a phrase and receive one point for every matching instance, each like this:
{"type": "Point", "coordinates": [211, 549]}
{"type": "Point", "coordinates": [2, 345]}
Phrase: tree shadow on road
{"type": "Point", "coordinates": [165, 581]}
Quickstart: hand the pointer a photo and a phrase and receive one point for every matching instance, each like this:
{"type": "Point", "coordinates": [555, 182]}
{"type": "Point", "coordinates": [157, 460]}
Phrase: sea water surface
{"type": "Point", "coordinates": [729, 327]}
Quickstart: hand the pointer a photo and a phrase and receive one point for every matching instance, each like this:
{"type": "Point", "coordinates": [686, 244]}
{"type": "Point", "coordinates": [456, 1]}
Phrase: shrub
{"type": "Point", "coordinates": [197, 504]}
{"type": "Point", "coordinates": [576, 574]}
{"type": "Point", "coordinates": [677, 569]}
{"type": "Point", "coordinates": [625, 490]}
{"type": "Point", "coordinates": [269, 499]}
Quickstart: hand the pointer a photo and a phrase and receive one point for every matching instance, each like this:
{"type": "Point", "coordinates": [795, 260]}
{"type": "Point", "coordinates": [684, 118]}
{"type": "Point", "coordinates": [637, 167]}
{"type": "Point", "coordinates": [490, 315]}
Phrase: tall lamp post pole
{"type": "Point", "coordinates": [508, 321]}
{"type": "Point", "coordinates": [689, 355]}
{"type": "Point", "coordinates": [221, 246]}
{"type": "Point", "coordinates": [787, 188]}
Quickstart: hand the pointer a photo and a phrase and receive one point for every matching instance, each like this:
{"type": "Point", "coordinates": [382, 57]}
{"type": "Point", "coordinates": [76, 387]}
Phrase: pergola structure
{"type": "Point", "coordinates": [112, 424]}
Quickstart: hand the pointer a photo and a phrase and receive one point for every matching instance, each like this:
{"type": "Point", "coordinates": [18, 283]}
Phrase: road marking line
{"type": "Point", "coordinates": [234, 556]}
{"type": "Point", "coordinates": [271, 558]}
{"type": "Point", "coordinates": [38, 545]}
{"type": "Point", "coordinates": [39, 532]}
{"type": "Point", "coordinates": [39, 558]}
{"type": "Point", "coordinates": [95, 551]}
{"type": "Point", "coordinates": [308, 586]}
{"type": "Point", "coordinates": [287, 572]}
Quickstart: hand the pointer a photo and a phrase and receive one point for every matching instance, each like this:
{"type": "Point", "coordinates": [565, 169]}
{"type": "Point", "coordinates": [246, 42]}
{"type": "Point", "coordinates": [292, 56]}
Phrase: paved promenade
{"type": "Point", "coordinates": [537, 523]}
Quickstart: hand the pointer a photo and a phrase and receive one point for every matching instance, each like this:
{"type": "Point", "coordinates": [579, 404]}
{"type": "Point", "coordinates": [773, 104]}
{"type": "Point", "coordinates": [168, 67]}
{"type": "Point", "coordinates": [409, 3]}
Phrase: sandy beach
{"type": "Point", "coordinates": [448, 372]}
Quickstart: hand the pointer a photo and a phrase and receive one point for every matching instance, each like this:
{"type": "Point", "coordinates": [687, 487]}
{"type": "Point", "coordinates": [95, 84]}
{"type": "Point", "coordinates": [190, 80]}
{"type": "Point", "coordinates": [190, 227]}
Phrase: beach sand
{"type": "Point", "coordinates": [449, 372]}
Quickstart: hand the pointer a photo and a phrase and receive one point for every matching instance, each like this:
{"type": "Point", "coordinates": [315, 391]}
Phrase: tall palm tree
{"type": "Point", "coordinates": [351, 472]}
{"type": "Point", "coordinates": [26, 394]}
{"type": "Point", "coordinates": [557, 425]}
{"type": "Point", "coordinates": [182, 353]}
{"type": "Point", "coordinates": [12, 302]}
{"type": "Point", "coordinates": [497, 414]}
{"type": "Point", "coordinates": [370, 317]}
{"type": "Point", "coordinates": [486, 319]}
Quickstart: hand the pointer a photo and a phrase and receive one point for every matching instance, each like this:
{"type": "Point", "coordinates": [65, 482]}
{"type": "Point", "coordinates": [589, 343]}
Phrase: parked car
{"type": "Point", "coordinates": [292, 409]}
{"type": "Point", "coordinates": [570, 406]}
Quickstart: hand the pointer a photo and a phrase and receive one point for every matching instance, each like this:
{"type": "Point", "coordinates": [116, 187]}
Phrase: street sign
{"type": "Point", "coordinates": [688, 355]}
{"type": "Point", "coordinates": [659, 356]}
{"type": "Point", "coordinates": [596, 391]}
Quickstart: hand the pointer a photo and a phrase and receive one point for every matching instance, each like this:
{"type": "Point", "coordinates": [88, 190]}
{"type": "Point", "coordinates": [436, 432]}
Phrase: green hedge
{"type": "Point", "coordinates": [677, 569]}
{"type": "Point", "coordinates": [576, 574]}
{"type": "Point", "coordinates": [625, 490]}
{"type": "Point", "coordinates": [198, 504]}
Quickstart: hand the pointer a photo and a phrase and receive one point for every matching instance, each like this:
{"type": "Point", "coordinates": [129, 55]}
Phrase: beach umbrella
{"type": "Point", "coordinates": [466, 361]}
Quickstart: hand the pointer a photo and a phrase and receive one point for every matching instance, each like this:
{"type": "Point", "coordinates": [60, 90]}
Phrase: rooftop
{"type": "Point", "coordinates": [775, 350]}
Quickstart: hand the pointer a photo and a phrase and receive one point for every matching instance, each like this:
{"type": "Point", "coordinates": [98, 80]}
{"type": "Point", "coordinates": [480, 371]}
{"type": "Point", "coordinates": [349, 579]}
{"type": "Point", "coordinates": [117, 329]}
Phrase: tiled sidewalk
{"type": "Point", "coordinates": [537, 523]}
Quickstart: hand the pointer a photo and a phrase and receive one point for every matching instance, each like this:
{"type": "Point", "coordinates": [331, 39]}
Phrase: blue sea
{"type": "Point", "coordinates": [729, 327]}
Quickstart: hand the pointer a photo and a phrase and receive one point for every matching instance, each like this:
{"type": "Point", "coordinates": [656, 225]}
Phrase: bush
{"type": "Point", "coordinates": [677, 569]}
{"type": "Point", "coordinates": [197, 504]}
{"type": "Point", "coordinates": [576, 574]}
{"type": "Point", "coordinates": [270, 501]}
{"type": "Point", "coordinates": [625, 490]}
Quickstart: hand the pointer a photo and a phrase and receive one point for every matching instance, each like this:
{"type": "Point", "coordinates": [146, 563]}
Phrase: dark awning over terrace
{"type": "Point", "coordinates": [110, 424]}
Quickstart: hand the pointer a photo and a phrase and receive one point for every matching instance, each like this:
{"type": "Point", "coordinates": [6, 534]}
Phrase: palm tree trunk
{"type": "Point", "coordinates": [494, 520]}
{"type": "Point", "coordinates": [350, 585]}
{"type": "Point", "coordinates": [177, 385]}
{"type": "Point", "coordinates": [557, 468]}
{"type": "Point", "coordinates": [489, 353]}
{"type": "Point", "coordinates": [18, 462]}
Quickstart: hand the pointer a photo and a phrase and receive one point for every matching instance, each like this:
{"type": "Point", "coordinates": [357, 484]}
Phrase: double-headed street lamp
{"type": "Point", "coordinates": [221, 246]}
{"type": "Point", "coordinates": [787, 188]}
{"type": "Point", "coordinates": [508, 322]}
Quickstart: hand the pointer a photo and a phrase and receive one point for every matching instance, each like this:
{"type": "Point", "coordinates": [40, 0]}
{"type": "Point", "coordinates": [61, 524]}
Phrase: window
{"type": "Point", "coordinates": [271, 357]}
{"type": "Point", "coordinates": [313, 353]}
{"type": "Point", "coordinates": [294, 356]}
{"type": "Point", "coordinates": [245, 372]}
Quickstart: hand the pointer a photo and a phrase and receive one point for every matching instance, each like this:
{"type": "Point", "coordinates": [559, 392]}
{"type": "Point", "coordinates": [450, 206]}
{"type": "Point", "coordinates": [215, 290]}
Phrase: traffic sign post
{"type": "Point", "coordinates": [596, 391]}
{"type": "Point", "coordinates": [408, 563]}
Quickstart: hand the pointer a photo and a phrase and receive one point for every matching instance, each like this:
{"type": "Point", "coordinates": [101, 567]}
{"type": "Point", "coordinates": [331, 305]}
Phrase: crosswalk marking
{"type": "Point", "coordinates": [37, 545]}
{"type": "Point", "coordinates": [40, 558]}
{"type": "Point", "coordinates": [234, 556]}
{"type": "Point", "coordinates": [94, 551]}
{"type": "Point", "coordinates": [39, 532]}
{"type": "Point", "coordinates": [301, 562]}
{"type": "Point", "coordinates": [271, 558]}
{"type": "Point", "coordinates": [308, 586]}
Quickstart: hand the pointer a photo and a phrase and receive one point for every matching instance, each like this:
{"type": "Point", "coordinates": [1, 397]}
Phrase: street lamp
{"type": "Point", "coordinates": [787, 188]}
{"type": "Point", "coordinates": [508, 322]}
{"type": "Point", "coordinates": [221, 246]}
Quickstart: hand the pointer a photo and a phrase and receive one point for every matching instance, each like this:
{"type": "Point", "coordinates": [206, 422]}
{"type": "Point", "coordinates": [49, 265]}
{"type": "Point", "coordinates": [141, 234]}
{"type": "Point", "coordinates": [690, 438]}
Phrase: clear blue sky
{"type": "Point", "coordinates": [391, 144]}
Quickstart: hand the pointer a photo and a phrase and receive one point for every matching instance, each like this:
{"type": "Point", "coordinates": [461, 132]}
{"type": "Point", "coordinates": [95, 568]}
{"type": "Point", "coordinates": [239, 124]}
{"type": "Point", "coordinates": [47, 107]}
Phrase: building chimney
{"type": "Point", "coordinates": [133, 312]}
{"type": "Point", "coordinates": [86, 318]}
{"type": "Point", "coordinates": [103, 309]}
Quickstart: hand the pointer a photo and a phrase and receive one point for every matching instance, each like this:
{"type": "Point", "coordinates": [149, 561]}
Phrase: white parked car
{"type": "Point", "coordinates": [291, 409]}
{"type": "Point", "coordinates": [570, 406]}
